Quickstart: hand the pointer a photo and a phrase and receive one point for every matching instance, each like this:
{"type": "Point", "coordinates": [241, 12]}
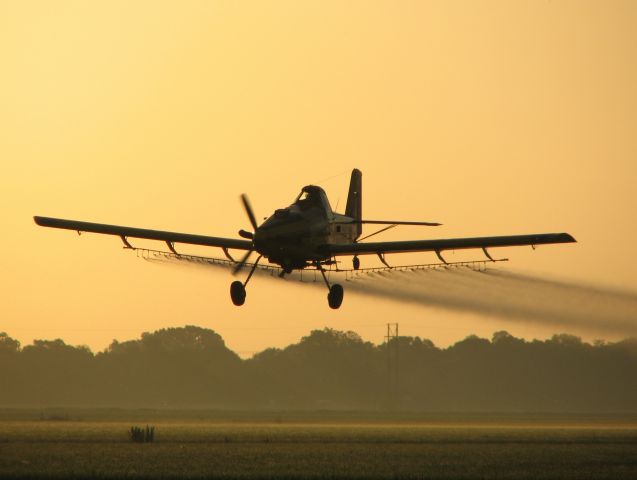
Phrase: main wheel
{"type": "Point", "coordinates": [335, 297]}
{"type": "Point", "coordinates": [238, 293]}
{"type": "Point", "coordinates": [356, 263]}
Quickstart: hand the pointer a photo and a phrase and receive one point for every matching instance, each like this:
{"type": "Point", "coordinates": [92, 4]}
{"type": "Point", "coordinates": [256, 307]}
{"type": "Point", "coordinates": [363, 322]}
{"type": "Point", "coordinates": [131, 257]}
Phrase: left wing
{"type": "Point", "coordinates": [125, 232]}
{"type": "Point", "coordinates": [445, 244]}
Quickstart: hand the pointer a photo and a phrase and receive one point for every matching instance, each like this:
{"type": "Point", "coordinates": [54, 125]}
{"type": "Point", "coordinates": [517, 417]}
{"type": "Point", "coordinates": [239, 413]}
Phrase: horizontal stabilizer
{"type": "Point", "coordinates": [391, 222]}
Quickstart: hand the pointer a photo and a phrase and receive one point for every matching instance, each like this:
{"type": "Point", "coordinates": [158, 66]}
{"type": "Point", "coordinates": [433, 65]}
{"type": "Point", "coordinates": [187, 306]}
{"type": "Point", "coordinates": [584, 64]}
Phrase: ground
{"type": "Point", "coordinates": [41, 444]}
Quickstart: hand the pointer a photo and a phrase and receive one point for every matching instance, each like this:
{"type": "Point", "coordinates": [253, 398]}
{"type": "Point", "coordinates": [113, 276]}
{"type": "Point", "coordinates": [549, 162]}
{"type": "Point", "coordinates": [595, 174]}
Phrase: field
{"type": "Point", "coordinates": [36, 444]}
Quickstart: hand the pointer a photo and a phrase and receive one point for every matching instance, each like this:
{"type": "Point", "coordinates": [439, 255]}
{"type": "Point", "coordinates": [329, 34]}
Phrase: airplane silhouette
{"type": "Point", "coordinates": [309, 234]}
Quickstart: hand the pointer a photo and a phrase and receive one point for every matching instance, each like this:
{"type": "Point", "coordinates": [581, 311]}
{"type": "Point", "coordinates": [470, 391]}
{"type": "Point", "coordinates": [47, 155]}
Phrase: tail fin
{"type": "Point", "coordinates": [354, 198]}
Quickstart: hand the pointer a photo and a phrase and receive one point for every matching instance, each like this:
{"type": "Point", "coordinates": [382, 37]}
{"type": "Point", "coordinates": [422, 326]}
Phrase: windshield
{"type": "Point", "coordinates": [308, 198]}
{"type": "Point", "coordinates": [304, 196]}
{"type": "Point", "coordinates": [312, 197]}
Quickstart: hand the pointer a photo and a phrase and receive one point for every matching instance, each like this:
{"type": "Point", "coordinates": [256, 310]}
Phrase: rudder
{"type": "Point", "coordinates": [354, 199]}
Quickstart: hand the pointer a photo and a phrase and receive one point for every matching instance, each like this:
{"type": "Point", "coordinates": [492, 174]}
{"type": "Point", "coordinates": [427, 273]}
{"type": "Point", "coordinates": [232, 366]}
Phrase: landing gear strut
{"type": "Point", "coordinates": [335, 295]}
{"type": "Point", "coordinates": [238, 289]}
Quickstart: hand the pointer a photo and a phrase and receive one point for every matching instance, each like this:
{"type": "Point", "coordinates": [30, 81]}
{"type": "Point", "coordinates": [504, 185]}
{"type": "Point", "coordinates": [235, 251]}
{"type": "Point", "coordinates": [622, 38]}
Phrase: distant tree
{"type": "Point", "coordinates": [9, 364]}
{"type": "Point", "coordinates": [171, 367]}
{"type": "Point", "coordinates": [327, 369]}
{"type": "Point", "coordinates": [53, 371]}
{"type": "Point", "coordinates": [566, 340]}
{"type": "Point", "coordinates": [503, 338]}
{"type": "Point", "coordinates": [8, 344]}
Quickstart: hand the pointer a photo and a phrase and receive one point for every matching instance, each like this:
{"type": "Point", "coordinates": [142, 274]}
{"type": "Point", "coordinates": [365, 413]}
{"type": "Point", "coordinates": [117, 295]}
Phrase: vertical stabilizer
{"type": "Point", "coordinates": [354, 206]}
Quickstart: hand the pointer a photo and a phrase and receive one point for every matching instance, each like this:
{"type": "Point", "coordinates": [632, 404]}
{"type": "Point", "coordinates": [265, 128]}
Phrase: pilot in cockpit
{"type": "Point", "coordinates": [308, 198]}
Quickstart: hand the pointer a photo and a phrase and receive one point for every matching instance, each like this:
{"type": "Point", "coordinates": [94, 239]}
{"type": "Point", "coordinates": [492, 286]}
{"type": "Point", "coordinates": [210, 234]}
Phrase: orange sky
{"type": "Point", "coordinates": [492, 117]}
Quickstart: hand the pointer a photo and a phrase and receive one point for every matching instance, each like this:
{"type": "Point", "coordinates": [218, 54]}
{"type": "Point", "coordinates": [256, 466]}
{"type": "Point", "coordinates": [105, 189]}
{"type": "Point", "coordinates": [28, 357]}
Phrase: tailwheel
{"type": "Point", "coordinates": [335, 297]}
{"type": "Point", "coordinates": [238, 293]}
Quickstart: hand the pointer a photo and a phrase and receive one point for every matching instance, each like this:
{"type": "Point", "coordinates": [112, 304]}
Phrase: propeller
{"type": "Point", "coordinates": [245, 233]}
{"type": "Point", "coordinates": [242, 262]}
{"type": "Point", "coordinates": [248, 207]}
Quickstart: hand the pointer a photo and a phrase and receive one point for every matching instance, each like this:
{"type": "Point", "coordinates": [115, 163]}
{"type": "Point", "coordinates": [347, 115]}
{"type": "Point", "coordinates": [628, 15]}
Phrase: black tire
{"type": "Point", "coordinates": [237, 293]}
{"type": "Point", "coordinates": [335, 297]}
{"type": "Point", "coordinates": [356, 263]}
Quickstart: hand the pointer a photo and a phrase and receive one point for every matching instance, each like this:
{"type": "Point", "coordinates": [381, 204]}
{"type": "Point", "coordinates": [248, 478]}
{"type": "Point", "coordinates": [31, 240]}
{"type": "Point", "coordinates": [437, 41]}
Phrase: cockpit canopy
{"type": "Point", "coordinates": [313, 196]}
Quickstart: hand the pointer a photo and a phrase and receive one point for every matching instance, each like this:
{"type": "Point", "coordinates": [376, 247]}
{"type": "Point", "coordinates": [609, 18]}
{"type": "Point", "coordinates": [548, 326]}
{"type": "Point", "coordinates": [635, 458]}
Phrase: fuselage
{"type": "Point", "coordinates": [293, 237]}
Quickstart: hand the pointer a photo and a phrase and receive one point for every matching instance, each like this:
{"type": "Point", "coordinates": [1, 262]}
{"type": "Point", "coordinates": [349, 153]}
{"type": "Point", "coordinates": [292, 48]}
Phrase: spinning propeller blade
{"type": "Point", "coordinates": [248, 207]}
{"type": "Point", "coordinates": [246, 234]}
{"type": "Point", "coordinates": [242, 262]}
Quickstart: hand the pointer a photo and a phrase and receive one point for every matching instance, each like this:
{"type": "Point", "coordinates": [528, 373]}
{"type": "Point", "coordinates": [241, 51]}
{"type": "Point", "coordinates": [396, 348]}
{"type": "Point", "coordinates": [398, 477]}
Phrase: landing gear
{"type": "Point", "coordinates": [238, 289]}
{"type": "Point", "coordinates": [356, 263]}
{"type": "Point", "coordinates": [335, 297]}
{"type": "Point", "coordinates": [238, 293]}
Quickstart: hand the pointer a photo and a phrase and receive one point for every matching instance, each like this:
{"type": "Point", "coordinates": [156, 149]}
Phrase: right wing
{"type": "Point", "coordinates": [124, 232]}
{"type": "Point", "coordinates": [445, 244]}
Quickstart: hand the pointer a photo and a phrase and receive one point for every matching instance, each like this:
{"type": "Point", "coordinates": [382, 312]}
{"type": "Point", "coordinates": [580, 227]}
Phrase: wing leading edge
{"type": "Point", "coordinates": [447, 244]}
{"type": "Point", "coordinates": [124, 232]}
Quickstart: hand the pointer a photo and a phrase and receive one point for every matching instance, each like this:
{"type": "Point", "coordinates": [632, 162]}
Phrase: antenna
{"type": "Point", "coordinates": [323, 180]}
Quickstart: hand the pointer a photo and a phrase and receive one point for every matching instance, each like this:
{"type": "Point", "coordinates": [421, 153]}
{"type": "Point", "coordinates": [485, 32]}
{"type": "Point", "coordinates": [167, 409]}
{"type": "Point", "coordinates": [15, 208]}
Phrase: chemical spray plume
{"type": "Point", "coordinates": [492, 292]}
{"type": "Point", "coordinates": [510, 296]}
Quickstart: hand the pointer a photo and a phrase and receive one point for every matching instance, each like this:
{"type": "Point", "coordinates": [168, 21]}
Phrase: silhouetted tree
{"type": "Point", "coordinates": [54, 372]}
{"type": "Point", "coordinates": [327, 369]}
{"type": "Point", "coordinates": [8, 344]}
{"type": "Point", "coordinates": [9, 363]}
{"type": "Point", "coordinates": [172, 367]}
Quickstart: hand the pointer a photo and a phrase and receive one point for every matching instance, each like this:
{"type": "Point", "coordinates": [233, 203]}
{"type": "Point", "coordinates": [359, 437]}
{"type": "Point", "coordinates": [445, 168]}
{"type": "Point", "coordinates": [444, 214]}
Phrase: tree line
{"type": "Point", "coordinates": [327, 369]}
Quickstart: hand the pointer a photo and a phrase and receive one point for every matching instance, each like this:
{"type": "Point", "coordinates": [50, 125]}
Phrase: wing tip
{"type": "Point", "coordinates": [568, 238]}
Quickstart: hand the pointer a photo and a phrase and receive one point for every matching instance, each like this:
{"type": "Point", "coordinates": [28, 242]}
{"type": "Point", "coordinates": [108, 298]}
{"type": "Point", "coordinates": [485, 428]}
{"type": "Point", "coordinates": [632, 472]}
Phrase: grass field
{"type": "Point", "coordinates": [45, 445]}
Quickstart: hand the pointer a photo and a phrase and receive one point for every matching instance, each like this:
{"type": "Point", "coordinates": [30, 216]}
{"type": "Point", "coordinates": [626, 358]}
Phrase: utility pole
{"type": "Point", "coordinates": [392, 344]}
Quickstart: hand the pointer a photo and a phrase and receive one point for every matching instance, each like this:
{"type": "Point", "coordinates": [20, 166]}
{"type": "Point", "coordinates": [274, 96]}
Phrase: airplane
{"type": "Point", "coordinates": [309, 234]}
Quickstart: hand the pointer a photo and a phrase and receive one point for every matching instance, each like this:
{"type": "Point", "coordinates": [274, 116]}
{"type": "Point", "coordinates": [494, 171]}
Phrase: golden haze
{"type": "Point", "coordinates": [492, 117]}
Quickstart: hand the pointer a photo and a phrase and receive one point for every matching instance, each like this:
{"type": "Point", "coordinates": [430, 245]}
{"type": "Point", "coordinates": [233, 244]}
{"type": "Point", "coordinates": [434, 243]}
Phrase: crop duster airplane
{"type": "Point", "coordinates": [309, 234]}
